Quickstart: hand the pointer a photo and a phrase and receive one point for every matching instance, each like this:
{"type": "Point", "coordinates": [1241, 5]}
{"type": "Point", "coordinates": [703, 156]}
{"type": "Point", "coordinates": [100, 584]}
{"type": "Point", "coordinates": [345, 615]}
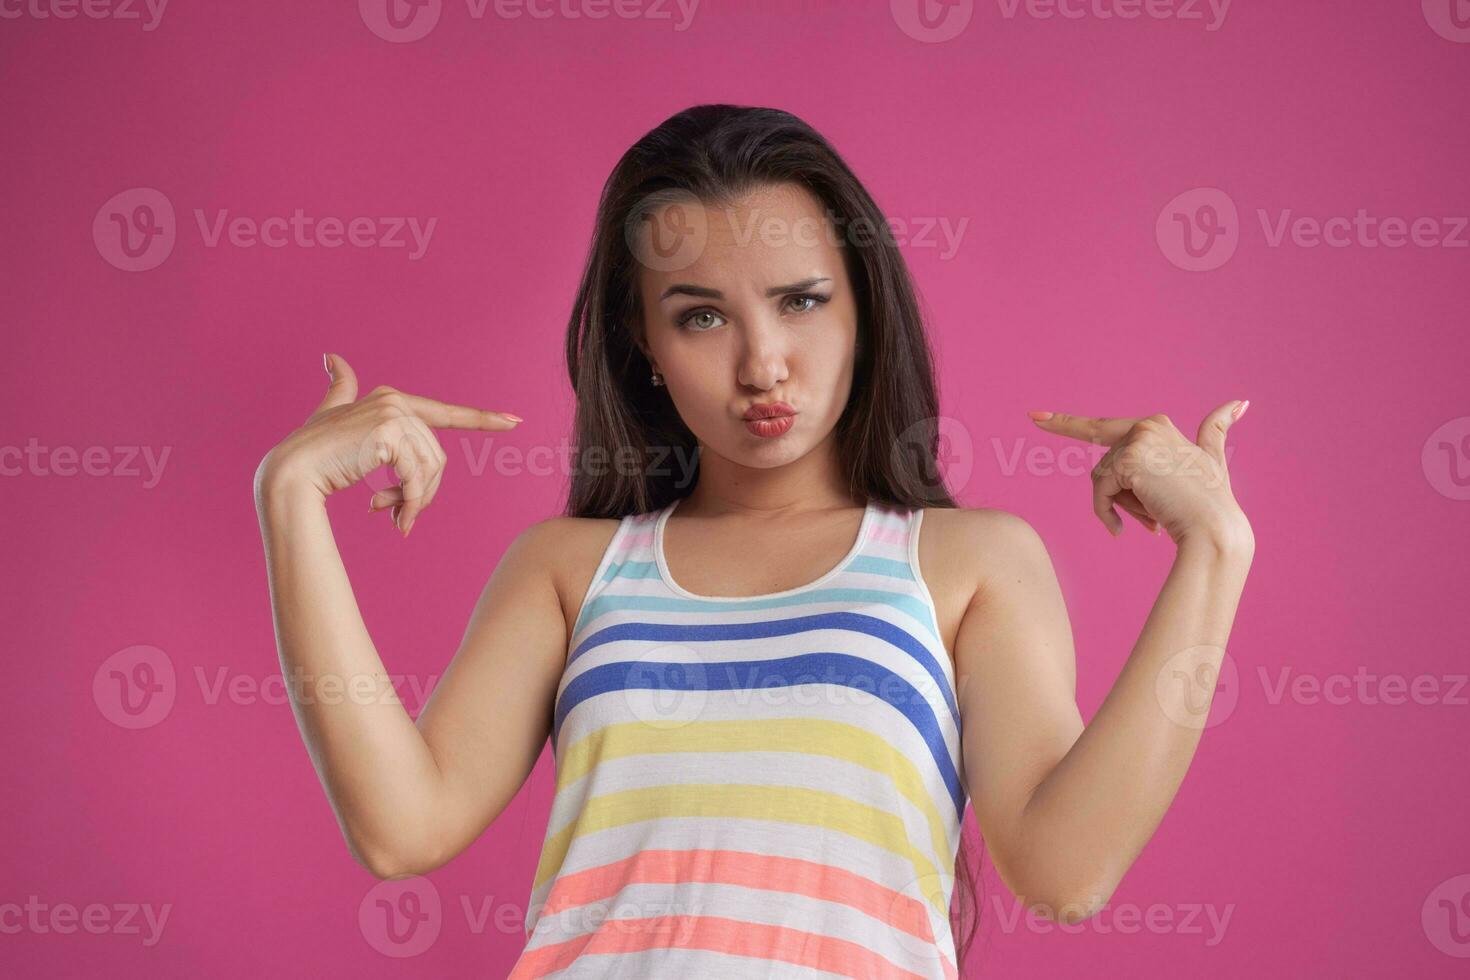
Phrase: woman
{"type": "Point", "coordinates": [770, 696]}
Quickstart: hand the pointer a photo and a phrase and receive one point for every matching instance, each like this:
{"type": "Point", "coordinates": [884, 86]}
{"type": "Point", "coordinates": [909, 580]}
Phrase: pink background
{"type": "Point", "coordinates": [1328, 832]}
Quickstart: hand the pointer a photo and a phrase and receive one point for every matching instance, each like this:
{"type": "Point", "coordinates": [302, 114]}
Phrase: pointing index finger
{"type": "Point", "coordinates": [1102, 431]}
{"type": "Point", "coordinates": [443, 415]}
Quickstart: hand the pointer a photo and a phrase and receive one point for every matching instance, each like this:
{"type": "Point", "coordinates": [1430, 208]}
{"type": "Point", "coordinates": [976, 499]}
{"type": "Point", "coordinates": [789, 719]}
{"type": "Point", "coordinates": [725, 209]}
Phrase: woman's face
{"type": "Point", "coordinates": [756, 309]}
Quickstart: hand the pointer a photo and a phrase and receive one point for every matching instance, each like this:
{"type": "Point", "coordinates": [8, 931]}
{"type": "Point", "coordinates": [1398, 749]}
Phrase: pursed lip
{"type": "Point", "coordinates": [768, 410]}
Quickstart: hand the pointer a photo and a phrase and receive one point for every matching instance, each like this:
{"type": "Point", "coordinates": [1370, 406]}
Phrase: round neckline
{"type": "Point", "coordinates": [869, 511]}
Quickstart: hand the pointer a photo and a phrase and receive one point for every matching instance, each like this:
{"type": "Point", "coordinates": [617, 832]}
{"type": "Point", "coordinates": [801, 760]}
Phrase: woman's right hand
{"type": "Point", "coordinates": [347, 438]}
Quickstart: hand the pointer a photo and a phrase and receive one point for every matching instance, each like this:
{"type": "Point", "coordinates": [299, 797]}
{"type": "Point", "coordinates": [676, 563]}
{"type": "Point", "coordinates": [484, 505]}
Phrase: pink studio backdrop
{"type": "Point", "coordinates": [1042, 172]}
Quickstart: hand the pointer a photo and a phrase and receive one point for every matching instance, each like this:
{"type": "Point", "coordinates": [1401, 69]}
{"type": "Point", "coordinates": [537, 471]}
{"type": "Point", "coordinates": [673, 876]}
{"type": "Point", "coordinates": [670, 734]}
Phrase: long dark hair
{"type": "Point", "coordinates": [631, 448]}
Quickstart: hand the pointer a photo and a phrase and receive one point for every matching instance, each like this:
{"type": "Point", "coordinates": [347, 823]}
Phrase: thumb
{"type": "Point", "coordinates": [1212, 430]}
{"type": "Point", "coordinates": [343, 390]}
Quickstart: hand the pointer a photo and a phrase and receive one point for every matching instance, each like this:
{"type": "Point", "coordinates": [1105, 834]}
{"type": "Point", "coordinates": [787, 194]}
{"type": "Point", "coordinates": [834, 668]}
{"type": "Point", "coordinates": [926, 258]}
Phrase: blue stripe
{"type": "Point", "coordinates": [826, 667]}
{"type": "Point", "coordinates": [713, 632]}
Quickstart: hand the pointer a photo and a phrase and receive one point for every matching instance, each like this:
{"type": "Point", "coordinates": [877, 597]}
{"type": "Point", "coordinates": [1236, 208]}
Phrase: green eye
{"type": "Point", "coordinates": [816, 301]}
{"type": "Point", "coordinates": [702, 319]}
{"type": "Point", "coordinates": [688, 316]}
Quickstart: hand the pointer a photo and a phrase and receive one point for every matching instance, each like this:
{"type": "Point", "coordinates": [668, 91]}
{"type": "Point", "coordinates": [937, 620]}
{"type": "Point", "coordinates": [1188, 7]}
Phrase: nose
{"type": "Point", "coordinates": [763, 361]}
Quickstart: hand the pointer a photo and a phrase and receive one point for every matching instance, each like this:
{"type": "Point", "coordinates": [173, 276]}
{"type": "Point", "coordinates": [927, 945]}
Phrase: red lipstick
{"type": "Point", "coordinates": [769, 419]}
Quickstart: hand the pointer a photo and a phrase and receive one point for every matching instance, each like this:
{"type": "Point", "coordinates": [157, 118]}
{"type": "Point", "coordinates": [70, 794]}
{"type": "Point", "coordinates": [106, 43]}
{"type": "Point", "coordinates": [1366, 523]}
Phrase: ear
{"type": "Point", "coordinates": [636, 336]}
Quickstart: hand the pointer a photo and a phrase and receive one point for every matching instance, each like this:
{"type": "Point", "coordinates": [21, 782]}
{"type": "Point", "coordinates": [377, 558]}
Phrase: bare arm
{"type": "Point", "coordinates": [1067, 809]}
{"type": "Point", "coordinates": [407, 796]}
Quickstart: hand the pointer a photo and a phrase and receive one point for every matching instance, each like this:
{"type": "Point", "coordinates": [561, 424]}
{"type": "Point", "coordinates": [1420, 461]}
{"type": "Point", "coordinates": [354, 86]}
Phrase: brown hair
{"type": "Point", "coordinates": [887, 436]}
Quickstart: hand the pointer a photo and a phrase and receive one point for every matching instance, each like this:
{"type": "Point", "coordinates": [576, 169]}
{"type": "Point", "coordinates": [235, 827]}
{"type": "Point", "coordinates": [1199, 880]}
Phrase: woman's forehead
{"type": "Point", "coordinates": [770, 237]}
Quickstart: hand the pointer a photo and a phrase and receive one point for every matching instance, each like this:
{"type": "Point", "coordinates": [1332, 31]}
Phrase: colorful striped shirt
{"type": "Point", "coordinates": [755, 787]}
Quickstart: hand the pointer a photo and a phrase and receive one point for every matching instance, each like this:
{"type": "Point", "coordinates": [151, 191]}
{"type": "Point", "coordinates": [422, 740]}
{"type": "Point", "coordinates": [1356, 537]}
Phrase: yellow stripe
{"type": "Point", "coordinates": [813, 736]}
{"type": "Point", "coordinates": [789, 804]}
{"type": "Point", "coordinates": [810, 736]}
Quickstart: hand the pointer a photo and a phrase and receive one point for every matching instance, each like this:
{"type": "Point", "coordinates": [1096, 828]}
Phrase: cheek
{"type": "Point", "coordinates": [832, 357]}
{"type": "Point", "coordinates": [700, 380]}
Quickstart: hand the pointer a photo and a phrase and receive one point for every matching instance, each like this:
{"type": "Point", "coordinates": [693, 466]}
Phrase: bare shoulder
{"type": "Point", "coordinates": [973, 545]}
{"type": "Point", "coordinates": [965, 551]}
{"type": "Point", "coordinates": [568, 549]}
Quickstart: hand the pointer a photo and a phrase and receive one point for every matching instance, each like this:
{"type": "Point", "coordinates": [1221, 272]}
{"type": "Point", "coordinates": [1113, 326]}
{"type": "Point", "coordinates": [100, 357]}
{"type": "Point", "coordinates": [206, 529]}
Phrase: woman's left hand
{"type": "Point", "coordinates": [1155, 473]}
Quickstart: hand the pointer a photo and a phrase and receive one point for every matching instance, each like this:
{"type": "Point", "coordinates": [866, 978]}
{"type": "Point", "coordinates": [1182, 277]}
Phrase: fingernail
{"type": "Point", "coordinates": [1040, 416]}
{"type": "Point", "coordinates": [327, 363]}
{"type": "Point", "coordinates": [513, 418]}
{"type": "Point", "coordinates": [1240, 409]}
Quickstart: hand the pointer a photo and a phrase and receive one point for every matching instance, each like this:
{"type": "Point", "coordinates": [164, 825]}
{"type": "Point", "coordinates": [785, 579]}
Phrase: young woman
{"type": "Point", "coordinates": [769, 695]}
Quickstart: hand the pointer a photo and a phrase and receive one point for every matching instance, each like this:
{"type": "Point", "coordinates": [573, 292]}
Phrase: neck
{"type": "Point", "coordinates": [814, 482]}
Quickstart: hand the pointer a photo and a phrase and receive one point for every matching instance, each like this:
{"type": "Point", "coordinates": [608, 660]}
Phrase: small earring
{"type": "Point", "coordinates": [657, 378]}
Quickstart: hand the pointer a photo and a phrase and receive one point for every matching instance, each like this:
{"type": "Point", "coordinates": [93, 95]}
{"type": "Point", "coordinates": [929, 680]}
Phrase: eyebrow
{"type": "Point", "coordinates": [689, 289]}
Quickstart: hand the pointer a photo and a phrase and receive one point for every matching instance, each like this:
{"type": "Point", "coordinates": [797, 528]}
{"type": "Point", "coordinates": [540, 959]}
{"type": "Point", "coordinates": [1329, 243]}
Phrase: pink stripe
{"type": "Point", "coordinates": [890, 535]}
{"type": "Point", "coordinates": [638, 539]}
{"type": "Point", "coordinates": [750, 870]}
{"type": "Point", "coordinates": [719, 935]}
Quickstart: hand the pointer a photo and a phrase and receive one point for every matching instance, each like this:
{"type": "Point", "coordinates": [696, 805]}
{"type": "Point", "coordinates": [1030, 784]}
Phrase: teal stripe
{"type": "Point", "coordinates": [910, 605]}
{"type": "Point", "coordinates": [900, 570]}
{"type": "Point", "coordinates": [881, 566]}
{"type": "Point", "coordinates": [861, 563]}
{"type": "Point", "coordinates": [632, 569]}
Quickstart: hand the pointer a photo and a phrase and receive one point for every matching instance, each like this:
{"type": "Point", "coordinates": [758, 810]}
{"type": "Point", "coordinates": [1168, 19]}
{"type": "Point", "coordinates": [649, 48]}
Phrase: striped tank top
{"type": "Point", "coordinates": [752, 787]}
